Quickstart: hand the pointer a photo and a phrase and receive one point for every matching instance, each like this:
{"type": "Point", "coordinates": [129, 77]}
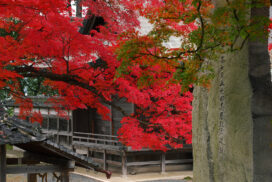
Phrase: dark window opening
{"type": "Point", "coordinates": [53, 123]}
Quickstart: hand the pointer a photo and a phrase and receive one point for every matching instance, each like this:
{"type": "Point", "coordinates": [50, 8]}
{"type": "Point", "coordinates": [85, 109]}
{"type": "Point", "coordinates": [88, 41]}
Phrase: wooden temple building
{"type": "Point", "coordinates": [41, 156]}
{"type": "Point", "coordinates": [85, 132]}
{"type": "Point", "coordinates": [69, 142]}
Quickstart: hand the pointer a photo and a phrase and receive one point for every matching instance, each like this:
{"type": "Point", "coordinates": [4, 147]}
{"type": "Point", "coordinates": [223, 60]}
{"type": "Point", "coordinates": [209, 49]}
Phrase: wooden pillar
{"type": "Point", "coordinates": [58, 124]}
{"type": "Point", "coordinates": [105, 160]}
{"type": "Point", "coordinates": [111, 121]}
{"type": "Point", "coordinates": [68, 121]}
{"type": "Point", "coordinates": [31, 177]}
{"type": "Point", "coordinates": [163, 162]}
{"type": "Point", "coordinates": [72, 126]}
{"type": "Point", "coordinates": [47, 125]}
{"type": "Point", "coordinates": [64, 176]}
{"type": "Point", "coordinates": [73, 148]}
{"type": "Point", "coordinates": [124, 164]}
{"type": "Point", "coordinates": [68, 128]}
{"type": "Point", "coordinates": [88, 152]}
{"type": "Point", "coordinates": [78, 8]}
{"type": "Point", "coordinates": [3, 163]}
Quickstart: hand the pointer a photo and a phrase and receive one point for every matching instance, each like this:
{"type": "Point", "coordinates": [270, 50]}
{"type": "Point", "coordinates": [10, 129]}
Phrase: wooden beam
{"type": "Point", "coordinates": [144, 163]}
{"type": "Point", "coordinates": [179, 161]}
{"type": "Point", "coordinates": [69, 164]}
{"type": "Point", "coordinates": [93, 149]}
{"type": "Point", "coordinates": [97, 146]}
{"type": "Point", "coordinates": [183, 150]}
{"type": "Point", "coordinates": [111, 162]}
{"type": "Point", "coordinates": [20, 161]}
{"type": "Point", "coordinates": [163, 162]}
{"type": "Point", "coordinates": [34, 169]}
{"type": "Point", "coordinates": [3, 163]}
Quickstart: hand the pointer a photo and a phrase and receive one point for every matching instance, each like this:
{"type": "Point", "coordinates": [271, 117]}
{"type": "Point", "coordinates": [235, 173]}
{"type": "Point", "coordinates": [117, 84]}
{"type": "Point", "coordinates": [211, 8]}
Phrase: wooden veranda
{"type": "Point", "coordinates": [85, 132]}
{"type": "Point", "coordinates": [112, 152]}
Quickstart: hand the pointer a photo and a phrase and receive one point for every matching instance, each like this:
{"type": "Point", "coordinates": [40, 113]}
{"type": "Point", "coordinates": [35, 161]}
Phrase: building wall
{"type": "Point", "coordinates": [117, 115]}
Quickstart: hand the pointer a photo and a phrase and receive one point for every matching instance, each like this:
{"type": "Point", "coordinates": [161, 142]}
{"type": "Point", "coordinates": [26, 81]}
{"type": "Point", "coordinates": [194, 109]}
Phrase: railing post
{"type": "Point", "coordinates": [124, 164]}
{"type": "Point", "coordinates": [163, 162]}
{"type": "Point", "coordinates": [105, 165]}
{"type": "Point", "coordinates": [31, 177]}
{"type": "Point", "coordinates": [88, 152]}
{"type": "Point", "coordinates": [64, 176]}
{"type": "Point", "coordinates": [58, 126]}
{"type": "Point", "coordinates": [47, 123]}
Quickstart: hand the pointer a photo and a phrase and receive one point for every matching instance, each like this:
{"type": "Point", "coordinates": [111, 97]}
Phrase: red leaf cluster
{"type": "Point", "coordinates": [39, 39]}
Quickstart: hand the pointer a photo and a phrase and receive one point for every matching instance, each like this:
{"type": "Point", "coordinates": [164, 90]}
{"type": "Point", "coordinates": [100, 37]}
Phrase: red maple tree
{"type": "Point", "coordinates": [40, 39]}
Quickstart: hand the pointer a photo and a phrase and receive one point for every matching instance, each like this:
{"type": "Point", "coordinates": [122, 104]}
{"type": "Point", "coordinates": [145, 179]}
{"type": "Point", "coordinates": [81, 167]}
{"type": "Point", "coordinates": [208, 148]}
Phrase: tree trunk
{"type": "Point", "coordinates": [232, 133]}
{"type": "Point", "coordinates": [261, 104]}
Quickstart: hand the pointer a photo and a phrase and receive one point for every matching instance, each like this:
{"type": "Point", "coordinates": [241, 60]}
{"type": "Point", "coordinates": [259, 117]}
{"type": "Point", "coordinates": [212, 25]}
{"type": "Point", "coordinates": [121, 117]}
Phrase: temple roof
{"type": "Point", "coordinates": [37, 101]}
{"type": "Point", "coordinates": [29, 137]}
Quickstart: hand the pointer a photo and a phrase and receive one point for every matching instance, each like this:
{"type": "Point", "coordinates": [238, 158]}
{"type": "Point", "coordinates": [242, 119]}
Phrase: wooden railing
{"type": "Point", "coordinates": [96, 139]}
{"type": "Point", "coordinates": [108, 145]}
{"type": "Point", "coordinates": [60, 137]}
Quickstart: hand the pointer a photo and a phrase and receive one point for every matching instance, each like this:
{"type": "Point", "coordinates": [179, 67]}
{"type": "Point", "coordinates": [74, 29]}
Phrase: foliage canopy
{"type": "Point", "coordinates": [40, 40]}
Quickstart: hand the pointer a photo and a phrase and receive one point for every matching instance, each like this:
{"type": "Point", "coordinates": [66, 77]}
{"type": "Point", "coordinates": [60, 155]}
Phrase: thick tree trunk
{"type": "Point", "coordinates": [232, 131]}
{"type": "Point", "coordinates": [222, 123]}
{"type": "Point", "coordinates": [261, 105]}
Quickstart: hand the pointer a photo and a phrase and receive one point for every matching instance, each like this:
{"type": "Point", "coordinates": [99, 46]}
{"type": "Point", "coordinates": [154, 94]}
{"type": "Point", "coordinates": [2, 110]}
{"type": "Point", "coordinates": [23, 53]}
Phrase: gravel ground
{"type": "Point", "coordinates": [76, 178]}
{"type": "Point", "coordinates": [166, 180]}
{"type": "Point", "coordinates": [79, 178]}
{"type": "Point", "coordinates": [73, 178]}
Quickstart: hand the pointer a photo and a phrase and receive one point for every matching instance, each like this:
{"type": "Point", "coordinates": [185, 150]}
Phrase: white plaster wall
{"type": "Point", "coordinates": [146, 27]}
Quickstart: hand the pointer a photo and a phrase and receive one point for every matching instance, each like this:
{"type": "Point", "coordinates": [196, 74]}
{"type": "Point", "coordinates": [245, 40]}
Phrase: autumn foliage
{"type": "Point", "coordinates": [205, 32]}
{"type": "Point", "coordinates": [40, 39]}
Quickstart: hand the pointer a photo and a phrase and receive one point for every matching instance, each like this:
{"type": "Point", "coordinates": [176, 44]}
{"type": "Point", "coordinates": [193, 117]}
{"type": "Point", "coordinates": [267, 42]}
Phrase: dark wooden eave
{"type": "Point", "coordinates": [29, 137]}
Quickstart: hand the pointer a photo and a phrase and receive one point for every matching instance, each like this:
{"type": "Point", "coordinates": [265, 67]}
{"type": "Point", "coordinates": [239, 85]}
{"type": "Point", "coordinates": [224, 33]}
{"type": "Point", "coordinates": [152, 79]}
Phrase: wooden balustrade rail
{"type": "Point", "coordinates": [95, 138]}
